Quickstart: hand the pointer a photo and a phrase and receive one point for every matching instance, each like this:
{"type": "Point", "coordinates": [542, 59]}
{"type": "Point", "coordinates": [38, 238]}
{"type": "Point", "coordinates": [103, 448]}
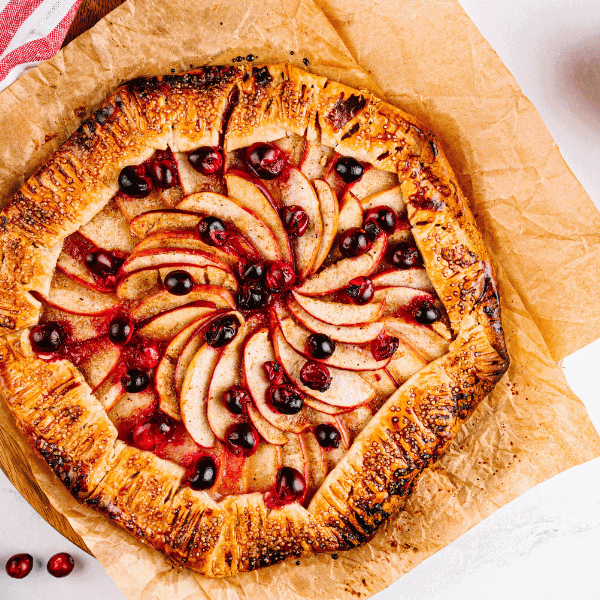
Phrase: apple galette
{"type": "Point", "coordinates": [243, 309]}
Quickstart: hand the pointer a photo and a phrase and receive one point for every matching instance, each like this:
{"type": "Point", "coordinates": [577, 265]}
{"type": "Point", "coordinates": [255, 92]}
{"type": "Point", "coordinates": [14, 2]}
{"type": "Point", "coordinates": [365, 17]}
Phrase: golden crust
{"type": "Point", "coordinates": [66, 424]}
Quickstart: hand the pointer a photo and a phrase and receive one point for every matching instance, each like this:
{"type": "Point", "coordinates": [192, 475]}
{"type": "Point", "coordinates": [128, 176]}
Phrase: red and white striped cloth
{"type": "Point", "coordinates": [31, 31]}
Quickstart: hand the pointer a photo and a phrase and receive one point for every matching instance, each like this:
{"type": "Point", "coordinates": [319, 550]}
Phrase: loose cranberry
{"type": "Point", "coordinates": [280, 277]}
{"type": "Point", "coordinates": [349, 169]}
{"type": "Point", "coordinates": [274, 372]}
{"type": "Point", "coordinates": [290, 485]}
{"type": "Point", "coordinates": [179, 283]}
{"type": "Point", "coordinates": [315, 376]}
{"type": "Point", "coordinates": [163, 174]}
{"type": "Point", "coordinates": [148, 435]}
{"type": "Point", "coordinates": [102, 263]}
{"type": "Point", "coordinates": [120, 330]}
{"type": "Point", "coordinates": [360, 290]}
{"type": "Point", "coordinates": [222, 331]}
{"type": "Point", "coordinates": [48, 337]}
{"type": "Point", "coordinates": [60, 565]}
{"type": "Point", "coordinates": [354, 242]}
{"type": "Point", "coordinates": [203, 474]}
{"type": "Point", "coordinates": [295, 220]}
{"type": "Point", "coordinates": [384, 217]}
{"type": "Point", "coordinates": [252, 296]}
{"type": "Point", "coordinates": [320, 346]}
{"type": "Point", "coordinates": [206, 160]}
{"type": "Point", "coordinates": [285, 399]}
{"type": "Point", "coordinates": [19, 566]}
{"type": "Point", "coordinates": [235, 399]}
{"type": "Point", "coordinates": [213, 231]}
{"type": "Point", "coordinates": [242, 438]}
{"type": "Point", "coordinates": [251, 271]}
{"type": "Point", "coordinates": [384, 346]}
{"type": "Point", "coordinates": [426, 313]}
{"type": "Point", "coordinates": [135, 380]}
{"type": "Point", "coordinates": [142, 353]}
{"type": "Point", "coordinates": [371, 229]}
{"type": "Point", "coordinates": [265, 160]}
{"type": "Point", "coordinates": [328, 436]}
{"type": "Point", "coordinates": [134, 183]}
{"type": "Point", "coordinates": [406, 256]}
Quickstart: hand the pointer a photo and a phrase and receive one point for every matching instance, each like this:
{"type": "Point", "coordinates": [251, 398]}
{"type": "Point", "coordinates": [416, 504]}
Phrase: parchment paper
{"type": "Point", "coordinates": [428, 58]}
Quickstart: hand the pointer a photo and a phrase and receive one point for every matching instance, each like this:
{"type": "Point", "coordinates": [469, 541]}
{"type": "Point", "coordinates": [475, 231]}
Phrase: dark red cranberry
{"type": "Point", "coordinates": [134, 183]}
{"type": "Point", "coordinates": [328, 436]}
{"type": "Point", "coordinates": [426, 313]}
{"type": "Point", "coordinates": [354, 242]}
{"type": "Point", "coordinates": [120, 330]}
{"type": "Point", "coordinates": [222, 331]}
{"type": "Point", "coordinates": [290, 485]}
{"type": "Point", "coordinates": [315, 376]}
{"type": "Point", "coordinates": [320, 346]}
{"type": "Point", "coordinates": [360, 290]}
{"type": "Point", "coordinates": [60, 565]}
{"type": "Point", "coordinates": [48, 337]}
{"type": "Point", "coordinates": [203, 474]}
{"type": "Point", "coordinates": [406, 256]}
{"type": "Point", "coordinates": [19, 566]}
{"type": "Point", "coordinates": [102, 263]}
{"type": "Point", "coordinates": [280, 277]}
{"type": "Point", "coordinates": [274, 372]}
{"type": "Point", "coordinates": [383, 217]}
{"type": "Point", "coordinates": [179, 283]}
{"type": "Point", "coordinates": [285, 399]}
{"type": "Point", "coordinates": [135, 380]}
{"type": "Point", "coordinates": [349, 169]}
{"type": "Point", "coordinates": [163, 174]}
{"type": "Point", "coordinates": [213, 231]}
{"type": "Point", "coordinates": [384, 346]}
{"type": "Point", "coordinates": [252, 296]}
{"type": "Point", "coordinates": [295, 220]}
{"type": "Point", "coordinates": [235, 399]}
{"type": "Point", "coordinates": [142, 353]}
{"type": "Point", "coordinates": [251, 270]}
{"type": "Point", "coordinates": [242, 439]}
{"type": "Point", "coordinates": [372, 230]}
{"type": "Point", "coordinates": [148, 435]}
{"type": "Point", "coordinates": [206, 160]}
{"type": "Point", "coordinates": [265, 160]}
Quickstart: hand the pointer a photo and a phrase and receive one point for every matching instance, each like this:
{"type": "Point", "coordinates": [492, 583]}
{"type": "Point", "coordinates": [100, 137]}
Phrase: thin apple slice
{"type": "Point", "coordinates": [158, 257]}
{"type": "Point", "coordinates": [354, 422]}
{"type": "Point", "coordinates": [392, 198]}
{"type": "Point", "coordinates": [425, 342]}
{"type": "Point", "coordinates": [315, 462]}
{"type": "Point", "coordinates": [404, 364]}
{"type": "Point", "coordinates": [80, 327]}
{"type": "Point", "coordinates": [267, 430]}
{"type": "Point", "coordinates": [184, 451]}
{"type": "Point", "coordinates": [351, 213]}
{"type": "Point", "coordinates": [399, 298]}
{"type": "Point", "coordinates": [109, 229]}
{"type": "Point", "coordinates": [337, 275]}
{"type": "Point", "coordinates": [315, 160]}
{"type": "Point", "coordinates": [189, 350]}
{"type": "Point", "coordinates": [292, 454]}
{"type": "Point", "coordinates": [100, 357]}
{"type": "Point", "coordinates": [374, 181]}
{"type": "Point", "coordinates": [193, 182]}
{"type": "Point", "coordinates": [263, 466]}
{"type": "Point", "coordinates": [337, 313]}
{"type": "Point", "coordinates": [351, 335]}
{"type": "Point", "coordinates": [347, 388]}
{"type": "Point", "coordinates": [247, 194]}
{"type": "Point", "coordinates": [245, 221]}
{"type": "Point", "coordinates": [411, 278]}
{"type": "Point", "coordinates": [400, 235]}
{"type": "Point", "coordinates": [133, 207]}
{"type": "Point", "coordinates": [74, 269]}
{"type": "Point", "coordinates": [293, 147]}
{"type": "Point", "coordinates": [163, 220]}
{"type": "Point", "coordinates": [257, 352]}
{"type": "Point", "coordinates": [328, 206]}
{"type": "Point", "coordinates": [163, 326]}
{"type": "Point", "coordinates": [131, 409]}
{"type": "Point", "coordinates": [111, 389]}
{"type": "Point", "coordinates": [381, 382]}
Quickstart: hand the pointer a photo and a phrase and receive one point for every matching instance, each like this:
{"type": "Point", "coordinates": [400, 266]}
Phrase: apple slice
{"type": "Point", "coordinates": [411, 278]}
{"type": "Point", "coordinates": [163, 220]}
{"type": "Point", "coordinates": [133, 207]}
{"type": "Point", "coordinates": [315, 463]}
{"type": "Point", "coordinates": [337, 313]}
{"type": "Point", "coordinates": [111, 388]}
{"type": "Point", "coordinates": [189, 350]}
{"type": "Point", "coordinates": [400, 235]}
{"type": "Point", "coordinates": [381, 382]}
{"type": "Point", "coordinates": [184, 451]}
{"type": "Point", "coordinates": [351, 335]}
{"type": "Point", "coordinates": [354, 422]}
{"type": "Point", "coordinates": [163, 326]}
{"type": "Point", "coordinates": [391, 198]}
{"type": "Point", "coordinates": [100, 357]}
{"type": "Point", "coordinates": [315, 159]}
{"type": "Point", "coordinates": [192, 181]}
{"type": "Point", "coordinates": [80, 327]}
{"type": "Point", "coordinates": [245, 221]}
{"type": "Point", "coordinates": [351, 213]}
{"type": "Point", "coordinates": [293, 147]}
{"type": "Point", "coordinates": [109, 229]}
{"type": "Point", "coordinates": [347, 388]}
{"type": "Point", "coordinates": [425, 342]}
{"type": "Point", "coordinates": [74, 269]}
{"type": "Point", "coordinates": [404, 364]}
{"type": "Point", "coordinates": [374, 181]}
{"type": "Point", "coordinates": [263, 466]}
{"type": "Point", "coordinates": [399, 298]}
{"type": "Point", "coordinates": [328, 206]}
{"type": "Point", "coordinates": [292, 454]}
{"type": "Point", "coordinates": [337, 275]}
{"type": "Point", "coordinates": [131, 409]}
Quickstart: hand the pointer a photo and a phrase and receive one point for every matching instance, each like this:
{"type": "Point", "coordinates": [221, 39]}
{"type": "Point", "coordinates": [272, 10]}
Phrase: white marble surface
{"type": "Point", "coordinates": [546, 544]}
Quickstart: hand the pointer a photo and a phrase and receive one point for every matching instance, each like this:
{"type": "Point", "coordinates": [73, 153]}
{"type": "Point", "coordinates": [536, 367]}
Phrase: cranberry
{"type": "Point", "coordinates": [360, 290]}
{"type": "Point", "coordinates": [315, 376]}
{"type": "Point", "coordinates": [48, 337]}
{"type": "Point", "coordinates": [406, 256]}
{"type": "Point", "coordinates": [384, 218]}
{"type": "Point", "coordinates": [371, 229]}
{"type": "Point", "coordinates": [235, 399]}
{"type": "Point", "coordinates": [265, 160]}
{"type": "Point", "coordinates": [290, 485]}
{"type": "Point", "coordinates": [295, 220]}
{"type": "Point", "coordinates": [102, 263]}
{"type": "Point", "coordinates": [135, 380]}
{"type": "Point", "coordinates": [60, 565]}
{"type": "Point", "coordinates": [203, 474]}
{"type": "Point", "coordinates": [179, 283]}
{"type": "Point", "coordinates": [163, 174]}
{"type": "Point", "coordinates": [355, 241]}
{"type": "Point", "coordinates": [274, 372]}
{"type": "Point", "coordinates": [251, 271]}
{"type": "Point", "coordinates": [285, 399]}
{"type": "Point", "coordinates": [320, 346]}
{"type": "Point", "coordinates": [349, 169]}
{"type": "Point", "coordinates": [426, 313]}
{"type": "Point", "coordinates": [384, 346]}
{"type": "Point", "coordinates": [222, 331]}
{"type": "Point", "coordinates": [253, 295]}
{"type": "Point", "coordinates": [280, 277]}
{"type": "Point", "coordinates": [148, 435]}
{"type": "Point", "coordinates": [134, 183]}
{"type": "Point", "coordinates": [120, 330]}
{"type": "Point", "coordinates": [142, 353]}
{"type": "Point", "coordinates": [206, 160]}
{"type": "Point", "coordinates": [242, 438]}
{"type": "Point", "coordinates": [19, 566]}
{"type": "Point", "coordinates": [328, 436]}
{"type": "Point", "coordinates": [213, 231]}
